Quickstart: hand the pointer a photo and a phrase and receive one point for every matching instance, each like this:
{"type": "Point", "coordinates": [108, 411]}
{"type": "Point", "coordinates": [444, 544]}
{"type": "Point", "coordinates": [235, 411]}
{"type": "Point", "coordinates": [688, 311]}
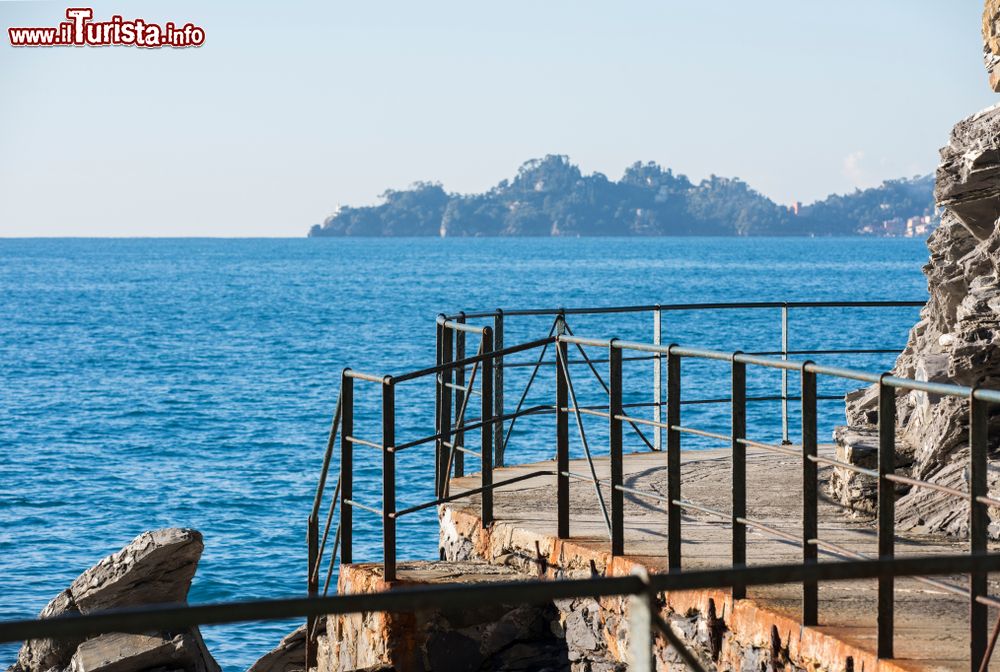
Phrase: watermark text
{"type": "Point", "coordinates": [80, 30]}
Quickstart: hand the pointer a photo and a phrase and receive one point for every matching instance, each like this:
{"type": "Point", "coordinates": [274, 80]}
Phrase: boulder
{"type": "Point", "coordinates": [119, 652]}
{"type": "Point", "coordinates": [288, 656]}
{"type": "Point", "coordinates": [859, 446]}
{"type": "Point", "coordinates": [154, 568]}
{"type": "Point", "coordinates": [39, 655]}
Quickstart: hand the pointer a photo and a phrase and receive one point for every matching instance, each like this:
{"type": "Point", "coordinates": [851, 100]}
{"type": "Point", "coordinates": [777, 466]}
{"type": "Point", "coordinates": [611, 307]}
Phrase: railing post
{"type": "Point", "coordinates": [312, 543]}
{"type": "Point", "coordinates": [886, 512]}
{"type": "Point", "coordinates": [615, 412]}
{"type": "Point", "coordinates": [673, 460]}
{"type": "Point", "coordinates": [459, 438]}
{"type": "Point", "coordinates": [641, 608]}
{"type": "Point", "coordinates": [486, 450]}
{"type": "Point", "coordinates": [657, 379]}
{"type": "Point", "coordinates": [562, 435]}
{"type": "Point", "coordinates": [346, 468]}
{"type": "Point", "coordinates": [498, 389]}
{"type": "Point", "coordinates": [784, 375]}
{"type": "Point", "coordinates": [810, 495]}
{"type": "Point", "coordinates": [438, 399]}
{"type": "Point", "coordinates": [739, 450]}
{"type": "Point", "coordinates": [389, 478]}
{"type": "Point", "coordinates": [978, 522]}
{"type": "Point", "coordinates": [446, 396]}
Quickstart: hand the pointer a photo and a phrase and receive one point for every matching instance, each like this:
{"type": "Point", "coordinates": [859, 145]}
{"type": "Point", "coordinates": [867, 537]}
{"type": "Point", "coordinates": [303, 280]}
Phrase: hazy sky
{"type": "Point", "coordinates": [292, 108]}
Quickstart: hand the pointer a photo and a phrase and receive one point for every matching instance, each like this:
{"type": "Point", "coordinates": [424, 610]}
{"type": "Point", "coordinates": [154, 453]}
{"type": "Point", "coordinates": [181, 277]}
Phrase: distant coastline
{"type": "Point", "coordinates": [551, 197]}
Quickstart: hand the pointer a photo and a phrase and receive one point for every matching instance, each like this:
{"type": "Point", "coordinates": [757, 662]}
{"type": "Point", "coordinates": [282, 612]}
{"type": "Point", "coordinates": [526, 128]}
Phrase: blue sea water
{"type": "Point", "coordinates": [151, 383]}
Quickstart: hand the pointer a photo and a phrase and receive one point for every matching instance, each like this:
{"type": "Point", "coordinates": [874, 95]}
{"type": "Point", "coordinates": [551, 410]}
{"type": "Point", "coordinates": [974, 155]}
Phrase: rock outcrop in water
{"type": "Point", "coordinates": [155, 568]}
{"type": "Point", "coordinates": [958, 336]}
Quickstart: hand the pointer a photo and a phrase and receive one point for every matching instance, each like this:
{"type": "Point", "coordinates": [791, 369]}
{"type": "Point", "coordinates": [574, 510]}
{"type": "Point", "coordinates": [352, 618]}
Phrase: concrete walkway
{"type": "Point", "coordinates": [931, 624]}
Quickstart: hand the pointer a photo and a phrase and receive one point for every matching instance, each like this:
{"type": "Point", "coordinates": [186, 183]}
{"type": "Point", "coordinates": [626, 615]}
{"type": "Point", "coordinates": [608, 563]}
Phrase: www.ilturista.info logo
{"type": "Point", "coordinates": [81, 31]}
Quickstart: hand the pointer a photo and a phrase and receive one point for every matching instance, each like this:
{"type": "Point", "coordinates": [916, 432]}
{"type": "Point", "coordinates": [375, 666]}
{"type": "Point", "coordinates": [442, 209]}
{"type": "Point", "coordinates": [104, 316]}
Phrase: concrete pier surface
{"type": "Point", "coordinates": [931, 624]}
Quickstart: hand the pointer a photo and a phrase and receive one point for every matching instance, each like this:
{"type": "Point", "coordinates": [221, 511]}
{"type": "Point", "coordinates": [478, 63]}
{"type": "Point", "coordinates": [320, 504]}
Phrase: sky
{"type": "Point", "coordinates": [292, 109]}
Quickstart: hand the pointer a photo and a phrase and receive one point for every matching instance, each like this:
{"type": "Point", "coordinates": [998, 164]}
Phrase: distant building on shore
{"type": "Point", "coordinates": [919, 226]}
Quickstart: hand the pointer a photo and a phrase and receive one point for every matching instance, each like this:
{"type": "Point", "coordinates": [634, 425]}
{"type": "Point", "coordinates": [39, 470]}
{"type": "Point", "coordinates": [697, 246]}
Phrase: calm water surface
{"type": "Point", "coordinates": [153, 383]}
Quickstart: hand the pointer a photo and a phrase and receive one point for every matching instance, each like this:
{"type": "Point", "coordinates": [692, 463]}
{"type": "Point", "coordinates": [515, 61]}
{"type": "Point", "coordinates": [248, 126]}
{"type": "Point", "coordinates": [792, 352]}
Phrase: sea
{"type": "Point", "coordinates": [149, 383]}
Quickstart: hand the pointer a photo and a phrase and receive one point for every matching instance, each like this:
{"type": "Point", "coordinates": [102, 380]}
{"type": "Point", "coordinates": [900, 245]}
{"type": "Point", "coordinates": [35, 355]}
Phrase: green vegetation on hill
{"type": "Point", "coordinates": [551, 197]}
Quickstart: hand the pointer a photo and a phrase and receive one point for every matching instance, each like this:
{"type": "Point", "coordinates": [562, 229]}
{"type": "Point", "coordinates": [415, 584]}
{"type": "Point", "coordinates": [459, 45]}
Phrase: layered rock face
{"type": "Point", "coordinates": [156, 567]}
{"type": "Point", "coordinates": [957, 339]}
{"type": "Point", "coordinates": [991, 38]}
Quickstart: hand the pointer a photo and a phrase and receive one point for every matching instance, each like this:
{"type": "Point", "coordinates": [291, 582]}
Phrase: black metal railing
{"type": "Point", "coordinates": [451, 343]}
{"type": "Point", "coordinates": [448, 439]}
{"type": "Point", "coordinates": [808, 537]}
{"type": "Point", "coordinates": [644, 618]}
{"type": "Point", "coordinates": [455, 374]}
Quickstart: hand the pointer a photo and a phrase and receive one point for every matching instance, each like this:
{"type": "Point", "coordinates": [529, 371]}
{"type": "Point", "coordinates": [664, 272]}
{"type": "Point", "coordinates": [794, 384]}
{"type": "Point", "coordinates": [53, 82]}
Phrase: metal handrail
{"type": "Point", "coordinates": [888, 384]}
{"type": "Point", "coordinates": [449, 371]}
{"type": "Point", "coordinates": [458, 596]}
{"type": "Point", "coordinates": [657, 311]}
{"type": "Point", "coordinates": [943, 389]}
{"type": "Point", "coordinates": [647, 308]}
{"type": "Point", "coordinates": [315, 552]}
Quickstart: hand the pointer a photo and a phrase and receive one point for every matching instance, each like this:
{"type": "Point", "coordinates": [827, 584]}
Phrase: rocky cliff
{"type": "Point", "coordinates": [991, 41]}
{"type": "Point", "coordinates": [958, 336]}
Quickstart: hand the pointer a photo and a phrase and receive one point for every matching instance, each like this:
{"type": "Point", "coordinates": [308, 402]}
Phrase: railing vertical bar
{"type": "Point", "coordinates": [739, 466]}
{"type": "Point", "coordinates": [346, 469]}
{"type": "Point", "coordinates": [444, 465]}
{"type": "Point", "coordinates": [498, 412]}
{"type": "Point", "coordinates": [658, 371]}
{"type": "Point", "coordinates": [810, 495]}
{"type": "Point", "coordinates": [640, 628]}
{"type": "Point", "coordinates": [886, 513]}
{"type": "Point", "coordinates": [615, 412]}
{"type": "Point", "coordinates": [562, 437]}
{"type": "Point", "coordinates": [486, 429]}
{"type": "Point", "coordinates": [389, 478]}
{"type": "Point", "coordinates": [978, 522]}
{"type": "Point", "coordinates": [459, 382]}
{"type": "Point", "coordinates": [438, 401]}
{"type": "Point", "coordinates": [312, 587]}
{"type": "Point", "coordinates": [784, 375]}
{"type": "Point", "coordinates": [312, 545]}
{"type": "Point", "coordinates": [673, 461]}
